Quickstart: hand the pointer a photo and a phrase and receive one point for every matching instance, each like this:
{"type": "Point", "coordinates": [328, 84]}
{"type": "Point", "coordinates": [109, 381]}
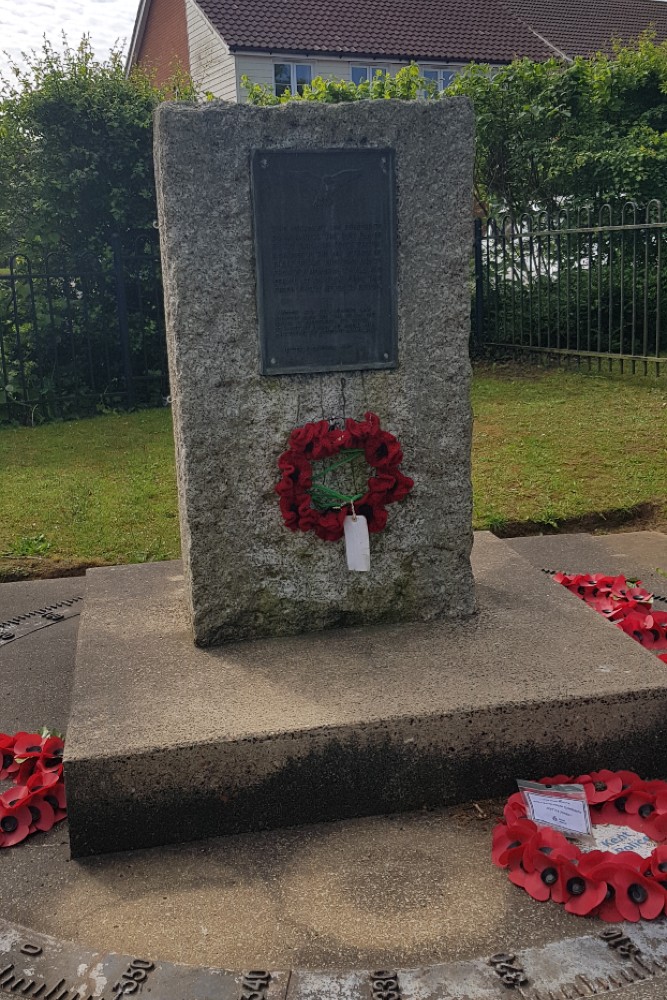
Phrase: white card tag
{"type": "Point", "coordinates": [357, 544]}
{"type": "Point", "coordinates": [562, 807]}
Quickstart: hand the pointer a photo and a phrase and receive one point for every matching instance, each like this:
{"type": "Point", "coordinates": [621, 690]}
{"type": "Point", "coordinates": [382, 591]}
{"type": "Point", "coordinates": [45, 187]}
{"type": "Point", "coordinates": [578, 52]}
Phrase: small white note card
{"type": "Point", "coordinates": [357, 544]}
{"type": "Point", "coordinates": [562, 807]}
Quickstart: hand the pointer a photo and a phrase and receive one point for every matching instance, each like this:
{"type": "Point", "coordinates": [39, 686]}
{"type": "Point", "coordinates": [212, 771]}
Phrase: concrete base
{"type": "Point", "coordinates": [168, 742]}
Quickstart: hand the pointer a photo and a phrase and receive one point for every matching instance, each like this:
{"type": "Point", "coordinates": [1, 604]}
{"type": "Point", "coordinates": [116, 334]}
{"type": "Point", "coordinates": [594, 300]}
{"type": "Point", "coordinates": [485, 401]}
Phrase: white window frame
{"type": "Point", "coordinates": [293, 86]}
{"type": "Point", "coordinates": [440, 72]}
{"type": "Point", "coordinates": [369, 70]}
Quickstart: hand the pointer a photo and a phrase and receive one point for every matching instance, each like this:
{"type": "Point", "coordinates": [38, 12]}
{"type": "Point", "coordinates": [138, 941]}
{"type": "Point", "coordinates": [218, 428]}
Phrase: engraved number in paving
{"type": "Point", "coordinates": [508, 969]}
{"type": "Point", "coordinates": [134, 977]}
{"type": "Point", "coordinates": [255, 985]}
{"type": "Point", "coordinates": [385, 986]}
{"type": "Point", "coordinates": [30, 949]}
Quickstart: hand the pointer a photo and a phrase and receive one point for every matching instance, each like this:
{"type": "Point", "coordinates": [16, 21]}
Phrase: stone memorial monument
{"type": "Point", "coordinates": [316, 267]}
{"type": "Point", "coordinates": [316, 276]}
{"type": "Point", "coordinates": [316, 284]}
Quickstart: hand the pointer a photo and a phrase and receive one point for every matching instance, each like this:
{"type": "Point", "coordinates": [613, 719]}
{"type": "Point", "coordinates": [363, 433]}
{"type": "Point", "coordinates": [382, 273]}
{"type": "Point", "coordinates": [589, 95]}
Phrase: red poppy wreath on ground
{"type": "Point", "coordinates": [623, 602]}
{"type": "Point", "coordinates": [614, 887]}
{"type": "Point", "coordinates": [33, 762]}
{"type": "Point", "coordinates": [308, 502]}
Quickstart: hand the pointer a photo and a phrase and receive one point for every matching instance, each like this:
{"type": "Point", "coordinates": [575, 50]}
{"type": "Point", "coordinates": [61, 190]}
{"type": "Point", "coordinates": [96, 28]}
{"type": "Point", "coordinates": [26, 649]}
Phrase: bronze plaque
{"type": "Point", "coordinates": [325, 247]}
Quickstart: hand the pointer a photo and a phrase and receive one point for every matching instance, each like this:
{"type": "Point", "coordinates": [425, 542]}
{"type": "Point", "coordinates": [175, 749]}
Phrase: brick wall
{"type": "Point", "coordinates": [165, 41]}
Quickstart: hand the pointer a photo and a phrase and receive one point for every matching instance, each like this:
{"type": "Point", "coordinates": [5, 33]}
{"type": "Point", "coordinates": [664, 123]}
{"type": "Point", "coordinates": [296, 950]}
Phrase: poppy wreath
{"type": "Point", "coordinates": [307, 504]}
{"type": "Point", "coordinates": [623, 602]}
{"type": "Point", "coordinates": [614, 887]}
{"type": "Point", "coordinates": [33, 762]}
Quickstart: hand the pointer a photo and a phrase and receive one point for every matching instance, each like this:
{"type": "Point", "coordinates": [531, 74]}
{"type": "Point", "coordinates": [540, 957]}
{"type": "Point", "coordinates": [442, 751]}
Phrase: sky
{"type": "Point", "coordinates": [23, 24]}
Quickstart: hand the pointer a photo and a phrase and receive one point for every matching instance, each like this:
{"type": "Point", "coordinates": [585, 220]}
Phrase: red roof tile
{"type": "Point", "coordinates": [451, 30]}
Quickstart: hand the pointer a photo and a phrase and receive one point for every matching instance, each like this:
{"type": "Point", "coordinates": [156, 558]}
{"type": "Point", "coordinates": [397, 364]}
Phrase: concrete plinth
{"type": "Point", "coordinates": [169, 743]}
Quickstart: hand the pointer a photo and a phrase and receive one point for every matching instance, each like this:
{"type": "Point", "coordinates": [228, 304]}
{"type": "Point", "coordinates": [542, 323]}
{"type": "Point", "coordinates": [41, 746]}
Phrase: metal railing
{"type": "Point", "coordinates": [578, 287]}
{"type": "Point", "coordinates": [82, 334]}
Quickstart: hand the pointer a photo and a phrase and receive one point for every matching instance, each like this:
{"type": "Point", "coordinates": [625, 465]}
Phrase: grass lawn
{"type": "Point", "coordinates": [550, 449]}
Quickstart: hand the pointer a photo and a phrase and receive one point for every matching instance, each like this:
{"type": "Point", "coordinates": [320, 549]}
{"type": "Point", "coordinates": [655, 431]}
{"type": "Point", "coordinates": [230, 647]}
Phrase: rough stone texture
{"type": "Point", "coordinates": [246, 574]}
{"type": "Point", "coordinates": [168, 742]}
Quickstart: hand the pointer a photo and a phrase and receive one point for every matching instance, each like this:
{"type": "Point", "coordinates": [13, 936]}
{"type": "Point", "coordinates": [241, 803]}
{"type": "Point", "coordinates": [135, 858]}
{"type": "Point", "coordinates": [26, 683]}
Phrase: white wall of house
{"type": "Point", "coordinates": [217, 70]}
{"type": "Point", "coordinates": [259, 67]}
{"type": "Point", "coordinates": [212, 65]}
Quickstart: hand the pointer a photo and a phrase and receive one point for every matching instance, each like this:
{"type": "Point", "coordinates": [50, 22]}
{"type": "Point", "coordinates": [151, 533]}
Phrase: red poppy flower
{"type": "Point", "coordinates": [402, 486]}
{"type": "Point", "coordinates": [593, 859]}
{"type": "Point", "coordinates": [375, 516]}
{"type": "Point", "coordinates": [600, 786]}
{"type": "Point", "coordinates": [309, 439]}
{"type": "Point", "coordinates": [383, 451]}
{"type": "Point", "coordinates": [606, 606]}
{"type": "Point", "coordinates": [55, 796]}
{"type": "Point", "coordinates": [640, 803]}
{"type": "Point", "coordinates": [515, 808]}
{"type": "Point", "coordinates": [658, 865]}
{"type": "Point", "coordinates": [15, 820]}
{"type": "Point", "coordinates": [655, 827]}
{"type": "Point", "coordinates": [8, 766]}
{"type": "Point", "coordinates": [557, 779]}
{"type": "Point", "coordinates": [663, 657]}
{"type": "Point", "coordinates": [380, 485]}
{"type": "Point", "coordinates": [552, 843]}
{"type": "Point", "coordinates": [28, 745]}
{"type": "Point", "coordinates": [329, 526]}
{"type": "Point", "coordinates": [647, 629]}
{"type": "Point", "coordinates": [582, 893]}
{"type": "Point", "coordinates": [33, 750]}
{"type": "Point", "coordinates": [508, 839]}
{"type": "Point", "coordinates": [629, 778]}
{"type": "Point", "coordinates": [51, 758]}
{"type": "Point", "coordinates": [629, 895]}
{"type": "Point", "coordinates": [642, 814]}
{"type": "Point", "coordinates": [41, 811]}
{"type": "Point", "coordinates": [613, 812]}
{"type": "Point", "coordinates": [360, 429]}
{"type": "Point", "coordinates": [544, 879]}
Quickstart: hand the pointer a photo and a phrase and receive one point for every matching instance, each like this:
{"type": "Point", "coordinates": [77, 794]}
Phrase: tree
{"type": "Point", "coordinates": [76, 162]}
{"type": "Point", "coordinates": [555, 134]}
{"type": "Point", "coordinates": [550, 134]}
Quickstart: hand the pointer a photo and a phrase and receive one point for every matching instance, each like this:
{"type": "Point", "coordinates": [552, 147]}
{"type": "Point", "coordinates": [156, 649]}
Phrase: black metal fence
{"type": "Point", "coordinates": [82, 334]}
{"type": "Point", "coordinates": [584, 289]}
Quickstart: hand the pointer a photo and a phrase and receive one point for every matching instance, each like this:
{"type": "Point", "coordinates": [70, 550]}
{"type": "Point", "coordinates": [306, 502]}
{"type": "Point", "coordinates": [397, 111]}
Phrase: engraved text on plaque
{"type": "Point", "coordinates": [325, 246]}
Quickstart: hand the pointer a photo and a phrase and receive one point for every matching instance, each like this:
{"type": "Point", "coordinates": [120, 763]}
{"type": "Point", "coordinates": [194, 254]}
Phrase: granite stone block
{"type": "Point", "coordinates": [246, 574]}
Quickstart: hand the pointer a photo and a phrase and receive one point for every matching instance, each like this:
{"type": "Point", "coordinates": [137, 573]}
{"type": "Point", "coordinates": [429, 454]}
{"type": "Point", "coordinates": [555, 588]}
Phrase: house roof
{"type": "Point", "coordinates": [456, 30]}
{"type": "Point", "coordinates": [442, 30]}
{"type": "Point", "coordinates": [583, 27]}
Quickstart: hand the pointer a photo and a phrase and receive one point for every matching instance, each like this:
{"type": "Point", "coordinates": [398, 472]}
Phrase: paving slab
{"type": "Point", "coordinates": [379, 892]}
{"type": "Point", "coordinates": [640, 554]}
{"type": "Point", "coordinates": [36, 670]}
{"type": "Point", "coordinates": [185, 743]}
{"type": "Point", "coordinates": [613, 960]}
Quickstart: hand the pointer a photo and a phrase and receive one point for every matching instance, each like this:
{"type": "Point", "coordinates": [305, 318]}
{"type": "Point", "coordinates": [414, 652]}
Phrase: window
{"type": "Point", "coordinates": [362, 73]}
{"type": "Point", "coordinates": [291, 76]}
{"type": "Point", "coordinates": [441, 77]}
